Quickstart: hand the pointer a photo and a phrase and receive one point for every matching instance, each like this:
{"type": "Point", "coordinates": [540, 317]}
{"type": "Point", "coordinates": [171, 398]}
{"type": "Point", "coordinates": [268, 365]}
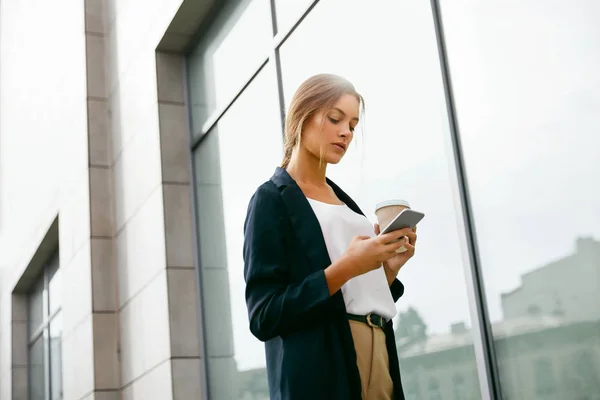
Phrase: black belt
{"type": "Point", "coordinates": [374, 320]}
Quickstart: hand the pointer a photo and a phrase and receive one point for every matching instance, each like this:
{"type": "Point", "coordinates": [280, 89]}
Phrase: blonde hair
{"type": "Point", "coordinates": [318, 92]}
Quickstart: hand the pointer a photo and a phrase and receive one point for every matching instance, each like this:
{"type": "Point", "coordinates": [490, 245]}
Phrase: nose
{"type": "Point", "coordinates": [344, 133]}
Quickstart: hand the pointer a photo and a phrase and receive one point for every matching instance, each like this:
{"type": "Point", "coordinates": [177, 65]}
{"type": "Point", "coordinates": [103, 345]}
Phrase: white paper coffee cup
{"type": "Point", "coordinates": [386, 211]}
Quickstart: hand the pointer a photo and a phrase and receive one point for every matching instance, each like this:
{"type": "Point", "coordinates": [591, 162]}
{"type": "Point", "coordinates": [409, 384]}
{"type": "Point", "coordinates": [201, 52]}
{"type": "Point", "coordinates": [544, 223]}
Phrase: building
{"type": "Point", "coordinates": [565, 287]}
{"type": "Point", "coordinates": [543, 351]}
{"type": "Point", "coordinates": [132, 134]}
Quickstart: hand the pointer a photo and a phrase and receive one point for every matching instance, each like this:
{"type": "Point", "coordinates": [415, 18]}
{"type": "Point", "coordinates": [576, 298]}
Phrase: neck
{"type": "Point", "coordinates": [305, 168]}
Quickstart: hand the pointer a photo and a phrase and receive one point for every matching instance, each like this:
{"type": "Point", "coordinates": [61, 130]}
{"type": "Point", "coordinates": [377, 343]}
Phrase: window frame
{"type": "Point", "coordinates": [42, 332]}
{"type": "Point", "coordinates": [483, 341]}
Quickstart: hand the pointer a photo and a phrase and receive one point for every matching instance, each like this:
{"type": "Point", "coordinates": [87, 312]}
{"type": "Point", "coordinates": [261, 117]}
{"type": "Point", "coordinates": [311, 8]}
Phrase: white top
{"type": "Point", "coordinates": [365, 293]}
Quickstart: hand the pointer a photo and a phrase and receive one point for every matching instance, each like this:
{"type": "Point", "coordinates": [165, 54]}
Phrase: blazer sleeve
{"type": "Point", "coordinates": [397, 289]}
{"type": "Point", "coordinates": [276, 305]}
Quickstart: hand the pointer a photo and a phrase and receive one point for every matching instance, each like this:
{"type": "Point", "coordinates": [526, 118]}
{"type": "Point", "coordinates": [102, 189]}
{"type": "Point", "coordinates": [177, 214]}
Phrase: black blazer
{"type": "Point", "coordinates": [309, 348]}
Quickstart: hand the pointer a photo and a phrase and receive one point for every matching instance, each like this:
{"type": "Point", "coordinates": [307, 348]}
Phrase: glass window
{"type": "Point", "coordinates": [583, 375]}
{"type": "Point", "coordinates": [231, 161]}
{"type": "Point", "coordinates": [56, 357]}
{"type": "Point", "coordinates": [229, 53]}
{"type": "Point", "coordinates": [392, 59]}
{"type": "Point", "coordinates": [458, 381]}
{"type": "Point", "coordinates": [434, 390]}
{"type": "Point", "coordinates": [45, 327]}
{"type": "Point", "coordinates": [544, 379]}
{"type": "Point", "coordinates": [527, 94]}
{"type": "Point", "coordinates": [37, 372]}
{"type": "Point", "coordinates": [288, 12]}
{"type": "Point", "coordinates": [410, 386]}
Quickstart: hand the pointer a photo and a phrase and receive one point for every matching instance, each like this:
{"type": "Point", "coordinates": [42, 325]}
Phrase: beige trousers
{"type": "Point", "coordinates": [373, 362]}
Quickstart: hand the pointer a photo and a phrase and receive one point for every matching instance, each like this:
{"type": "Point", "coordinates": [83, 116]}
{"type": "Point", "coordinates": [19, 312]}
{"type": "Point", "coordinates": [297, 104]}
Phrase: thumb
{"type": "Point", "coordinates": [377, 230]}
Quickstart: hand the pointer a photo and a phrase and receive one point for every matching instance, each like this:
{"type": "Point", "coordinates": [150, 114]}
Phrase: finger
{"type": "Point", "coordinates": [392, 247]}
{"type": "Point", "coordinates": [362, 237]}
{"type": "Point", "coordinates": [412, 237]}
{"type": "Point", "coordinates": [377, 230]}
{"type": "Point", "coordinates": [388, 255]}
{"type": "Point", "coordinates": [410, 249]}
{"type": "Point", "coordinates": [390, 236]}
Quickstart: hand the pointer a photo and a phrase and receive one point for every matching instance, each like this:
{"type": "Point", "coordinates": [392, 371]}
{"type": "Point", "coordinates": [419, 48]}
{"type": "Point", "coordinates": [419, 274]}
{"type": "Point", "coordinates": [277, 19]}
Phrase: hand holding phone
{"type": "Point", "coordinates": [406, 218]}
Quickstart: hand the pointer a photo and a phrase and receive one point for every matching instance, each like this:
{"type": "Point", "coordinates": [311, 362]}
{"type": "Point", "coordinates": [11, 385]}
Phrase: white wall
{"type": "Point", "coordinates": [160, 355]}
{"type": "Point", "coordinates": [80, 137]}
{"type": "Point", "coordinates": [42, 117]}
{"type": "Point", "coordinates": [43, 152]}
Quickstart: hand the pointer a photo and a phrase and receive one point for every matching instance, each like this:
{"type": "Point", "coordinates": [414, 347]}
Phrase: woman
{"type": "Point", "coordinates": [320, 285]}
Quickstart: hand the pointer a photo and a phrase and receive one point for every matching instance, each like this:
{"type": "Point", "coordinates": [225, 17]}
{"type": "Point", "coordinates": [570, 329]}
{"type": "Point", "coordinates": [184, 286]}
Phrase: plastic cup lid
{"type": "Point", "coordinates": [395, 202]}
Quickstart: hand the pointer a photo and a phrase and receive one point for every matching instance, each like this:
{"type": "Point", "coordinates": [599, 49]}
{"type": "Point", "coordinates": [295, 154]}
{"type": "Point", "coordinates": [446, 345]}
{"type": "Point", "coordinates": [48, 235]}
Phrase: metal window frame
{"type": "Point", "coordinates": [483, 341]}
{"type": "Point", "coordinates": [195, 140]}
{"type": "Point", "coordinates": [482, 333]}
{"type": "Point", "coordinates": [279, 38]}
{"type": "Point", "coordinates": [41, 330]}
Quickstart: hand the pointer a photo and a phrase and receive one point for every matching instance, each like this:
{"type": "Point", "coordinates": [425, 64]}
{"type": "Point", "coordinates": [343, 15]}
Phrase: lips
{"type": "Point", "coordinates": [341, 146]}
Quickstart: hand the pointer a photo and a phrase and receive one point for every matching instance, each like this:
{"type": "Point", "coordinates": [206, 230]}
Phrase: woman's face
{"type": "Point", "coordinates": [329, 132]}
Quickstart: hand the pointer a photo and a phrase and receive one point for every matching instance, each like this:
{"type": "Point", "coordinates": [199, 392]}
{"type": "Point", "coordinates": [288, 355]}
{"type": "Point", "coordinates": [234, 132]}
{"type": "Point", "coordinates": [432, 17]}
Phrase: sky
{"type": "Point", "coordinates": [527, 94]}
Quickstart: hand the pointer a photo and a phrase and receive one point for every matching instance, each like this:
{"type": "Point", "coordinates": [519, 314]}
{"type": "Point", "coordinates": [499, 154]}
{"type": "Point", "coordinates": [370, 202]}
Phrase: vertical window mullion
{"type": "Point", "coordinates": [46, 334]}
{"type": "Point", "coordinates": [29, 385]}
{"type": "Point", "coordinates": [482, 335]}
{"type": "Point", "coordinates": [276, 60]}
{"type": "Point", "coordinates": [46, 363]}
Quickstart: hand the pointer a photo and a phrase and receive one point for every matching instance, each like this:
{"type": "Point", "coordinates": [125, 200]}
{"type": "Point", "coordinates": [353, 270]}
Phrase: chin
{"type": "Point", "coordinates": [334, 159]}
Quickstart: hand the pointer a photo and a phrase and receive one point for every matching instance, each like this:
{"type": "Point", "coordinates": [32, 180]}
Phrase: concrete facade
{"type": "Point", "coordinates": [95, 151]}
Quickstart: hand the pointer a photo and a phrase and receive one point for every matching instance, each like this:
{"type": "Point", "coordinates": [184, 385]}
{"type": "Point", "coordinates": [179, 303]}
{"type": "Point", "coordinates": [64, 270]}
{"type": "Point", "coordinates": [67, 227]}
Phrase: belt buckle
{"type": "Point", "coordinates": [371, 323]}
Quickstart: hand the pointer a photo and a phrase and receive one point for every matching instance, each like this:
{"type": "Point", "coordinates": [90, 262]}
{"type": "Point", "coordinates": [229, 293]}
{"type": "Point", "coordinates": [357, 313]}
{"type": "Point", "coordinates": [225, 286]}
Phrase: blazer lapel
{"type": "Point", "coordinates": [303, 219]}
{"type": "Point", "coordinates": [344, 197]}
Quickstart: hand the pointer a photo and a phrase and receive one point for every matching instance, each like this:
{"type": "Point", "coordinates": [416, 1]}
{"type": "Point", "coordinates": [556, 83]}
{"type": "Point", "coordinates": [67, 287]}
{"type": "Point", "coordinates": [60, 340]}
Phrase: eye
{"type": "Point", "coordinates": [333, 120]}
{"type": "Point", "coordinates": [352, 128]}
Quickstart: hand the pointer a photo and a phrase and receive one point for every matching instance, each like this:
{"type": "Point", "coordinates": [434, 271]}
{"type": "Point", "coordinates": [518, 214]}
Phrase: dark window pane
{"type": "Point", "coordinates": [56, 387]}
{"type": "Point", "coordinates": [233, 159]}
{"type": "Point", "coordinates": [527, 89]}
{"type": "Point", "coordinates": [54, 285]}
{"type": "Point", "coordinates": [389, 52]}
{"type": "Point", "coordinates": [37, 369]}
{"type": "Point", "coordinates": [230, 52]}
{"type": "Point", "coordinates": [52, 266]}
{"type": "Point", "coordinates": [37, 308]}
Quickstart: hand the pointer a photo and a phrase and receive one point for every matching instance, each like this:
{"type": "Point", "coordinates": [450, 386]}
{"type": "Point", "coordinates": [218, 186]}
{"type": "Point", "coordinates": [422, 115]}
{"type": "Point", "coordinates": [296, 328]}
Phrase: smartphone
{"type": "Point", "coordinates": [406, 218]}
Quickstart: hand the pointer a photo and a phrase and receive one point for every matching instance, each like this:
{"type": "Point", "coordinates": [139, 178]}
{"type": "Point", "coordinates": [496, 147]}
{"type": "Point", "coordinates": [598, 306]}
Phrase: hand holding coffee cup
{"type": "Point", "coordinates": [386, 211]}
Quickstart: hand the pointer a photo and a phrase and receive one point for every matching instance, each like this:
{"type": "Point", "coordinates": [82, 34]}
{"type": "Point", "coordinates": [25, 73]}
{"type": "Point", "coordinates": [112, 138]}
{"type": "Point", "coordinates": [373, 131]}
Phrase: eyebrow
{"type": "Point", "coordinates": [343, 113]}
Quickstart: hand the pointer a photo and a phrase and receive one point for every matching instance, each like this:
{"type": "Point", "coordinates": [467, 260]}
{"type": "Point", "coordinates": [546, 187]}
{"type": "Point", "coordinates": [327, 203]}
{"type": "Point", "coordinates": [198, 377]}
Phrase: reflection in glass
{"type": "Point", "coordinates": [544, 378]}
{"type": "Point", "coordinates": [36, 306]}
{"type": "Point", "coordinates": [528, 93]}
{"type": "Point", "coordinates": [392, 59]}
{"type": "Point", "coordinates": [56, 358]}
{"type": "Point", "coordinates": [434, 389]}
{"type": "Point", "coordinates": [232, 49]}
{"type": "Point", "coordinates": [37, 372]}
{"type": "Point", "coordinates": [233, 159]}
{"type": "Point", "coordinates": [460, 390]}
